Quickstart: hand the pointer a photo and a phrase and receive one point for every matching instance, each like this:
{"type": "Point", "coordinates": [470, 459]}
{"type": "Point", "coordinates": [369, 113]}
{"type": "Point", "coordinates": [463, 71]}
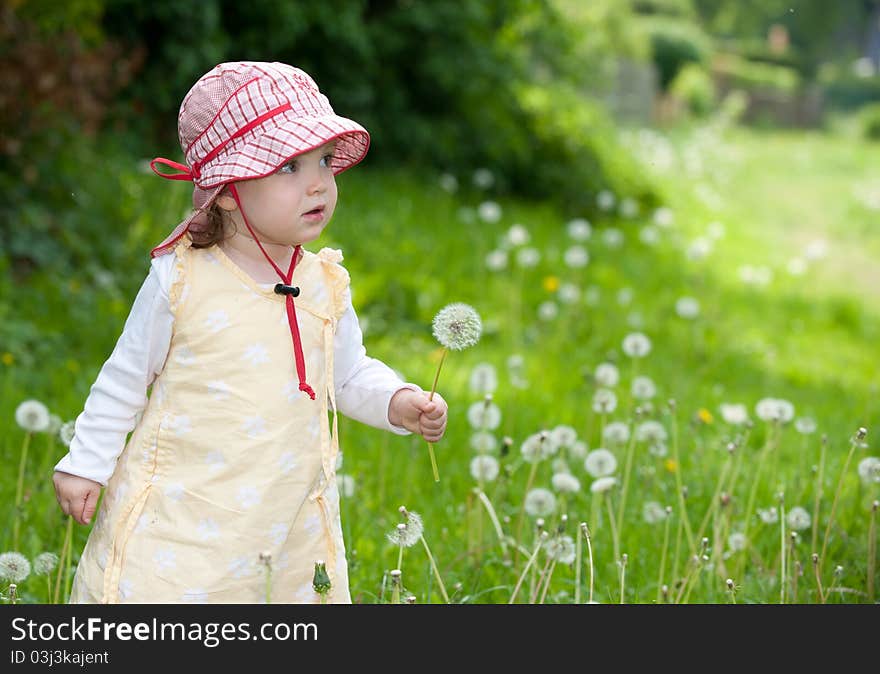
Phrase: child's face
{"type": "Point", "coordinates": [281, 208]}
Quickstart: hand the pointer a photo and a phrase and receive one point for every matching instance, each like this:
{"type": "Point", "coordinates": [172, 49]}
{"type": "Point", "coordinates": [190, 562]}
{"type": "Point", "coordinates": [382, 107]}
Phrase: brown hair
{"type": "Point", "coordinates": [216, 229]}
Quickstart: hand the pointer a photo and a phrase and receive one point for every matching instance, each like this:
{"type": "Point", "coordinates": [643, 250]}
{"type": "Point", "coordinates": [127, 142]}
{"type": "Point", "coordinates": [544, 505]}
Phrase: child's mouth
{"type": "Point", "coordinates": [314, 214]}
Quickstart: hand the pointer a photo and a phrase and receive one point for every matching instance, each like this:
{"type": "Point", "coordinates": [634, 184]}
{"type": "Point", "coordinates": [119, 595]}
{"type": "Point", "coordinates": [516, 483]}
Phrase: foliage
{"type": "Point", "coordinates": [751, 75]}
{"type": "Point", "coordinates": [694, 86]}
{"type": "Point", "coordinates": [674, 43]}
{"type": "Point", "coordinates": [870, 120]}
{"type": "Point", "coordinates": [844, 89]}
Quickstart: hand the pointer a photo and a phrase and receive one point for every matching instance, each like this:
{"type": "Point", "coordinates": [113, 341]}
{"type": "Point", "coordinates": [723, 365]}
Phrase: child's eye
{"type": "Point", "coordinates": [327, 160]}
{"type": "Point", "coordinates": [289, 167]}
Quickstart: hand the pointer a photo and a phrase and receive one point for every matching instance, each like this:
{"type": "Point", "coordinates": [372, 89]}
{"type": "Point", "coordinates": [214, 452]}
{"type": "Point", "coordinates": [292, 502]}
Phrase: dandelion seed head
{"type": "Point", "coordinates": [576, 257]}
{"type": "Point", "coordinates": [528, 257]}
{"type": "Point", "coordinates": [579, 229]}
{"type": "Point", "coordinates": [616, 433]}
{"type": "Point", "coordinates": [484, 468]}
{"type": "Point", "coordinates": [14, 566]}
{"type": "Point", "coordinates": [774, 409]}
{"type": "Point", "coordinates": [643, 388]}
{"type": "Point", "coordinates": [483, 379]}
{"type": "Point", "coordinates": [653, 512]}
{"type": "Point", "coordinates": [805, 425]}
{"type": "Point", "coordinates": [651, 432]}
{"type": "Point", "coordinates": [32, 416]}
{"type": "Point", "coordinates": [565, 483]}
{"type": "Point", "coordinates": [489, 211]}
{"type": "Point", "coordinates": [560, 548]}
{"type": "Point", "coordinates": [869, 470]}
{"type": "Point", "coordinates": [603, 484]}
{"type": "Point", "coordinates": [734, 414]}
{"type": "Point", "coordinates": [483, 416]}
{"type": "Point", "coordinates": [65, 433]}
{"type": "Point", "coordinates": [798, 518]}
{"type": "Point", "coordinates": [563, 435]}
{"type": "Point", "coordinates": [600, 463]}
{"type": "Point", "coordinates": [687, 307]}
{"type": "Point", "coordinates": [540, 502]}
{"type": "Point", "coordinates": [737, 541]}
{"type": "Point", "coordinates": [636, 345]}
{"type": "Point", "coordinates": [517, 235]}
{"type": "Point", "coordinates": [457, 326]}
{"type": "Point", "coordinates": [45, 563]}
{"type": "Point", "coordinates": [604, 401]}
{"type": "Point", "coordinates": [607, 375]}
{"type": "Point", "coordinates": [496, 260]}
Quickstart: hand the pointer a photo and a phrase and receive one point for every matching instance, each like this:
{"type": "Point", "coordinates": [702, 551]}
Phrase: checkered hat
{"type": "Point", "coordinates": [245, 120]}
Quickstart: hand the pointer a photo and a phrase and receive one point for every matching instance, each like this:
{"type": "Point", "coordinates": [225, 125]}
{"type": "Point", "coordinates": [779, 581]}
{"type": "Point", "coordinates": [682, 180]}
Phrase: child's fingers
{"type": "Point", "coordinates": [89, 506]}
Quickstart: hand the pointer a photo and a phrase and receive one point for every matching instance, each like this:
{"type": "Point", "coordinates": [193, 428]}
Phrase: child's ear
{"type": "Point", "coordinates": [227, 203]}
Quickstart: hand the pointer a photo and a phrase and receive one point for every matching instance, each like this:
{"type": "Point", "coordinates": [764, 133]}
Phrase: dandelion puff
{"type": "Point", "coordinates": [769, 515]}
{"type": "Point", "coordinates": [603, 484]}
{"type": "Point", "coordinates": [484, 442]}
{"type": "Point", "coordinates": [496, 260]}
{"type": "Point", "coordinates": [32, 416]}
{"type": "Point", "coordinates": [869, 470]}
{"type": "Point", "coordinates": [649, 235]}
{"type": "Point", "coordinates": [650, 431]}
{"type": "Point", "coordinates": [607, 375]}
{"type": "Point", "coordinates": [579, 229]}
{"type": "Point", "coordinates": [798, 519]}
{"type": "Point", "coordinates": [636, 345]}
{"type": "Point", "coordinates": [616, 432]}
{"type": "Point", "coordinates": [537, 447]}
{"type": "Point", "coordinates": [45, 563]}
{"type": "Point", "coordinates": [457, 326]}
{"type": "Point", "coordinates": [612, 238]}
{"type": "Point", "coordinates": [14, 566]}
{"type": "Point", "coordinates": [805, 425]}
{"type": "Point", "coordinates": [483, 178]}
{"type": "Point", "coordinates": [687, 307]}
{"type": "Point", "coordinates": [643, 388]}
{"type": "Point", "coordinates": [449, 183]}
{"type": "Point", "coordinates": [528, 257]}
{"type": "Point", "coordinates": [65, 433]}
{"type": "Point", "coordinates": [774, 409]}
{"type": "Point", "coordinates": [560, 548]}
{"type": "Point", "coordinates": [484, 416]}
{"type": "Point", "coordinates": [605, 200]}
{"type": "Point", "coordinates": [629, 208]}
{"type": "Point", "coordinates": [578, 450]}
{"type": "Point", "coordinates": [484, 468]}
{"type": "Point", "coordinates": [600, 463]}
{"type": "Point", "coordinates": [483, 379]}
{"type": "Point", "coordinates": [569, 293]}
{"type": "Point", "coordinates": [734, 413]}
{"type": "Point", "coordinates": [664, 217]}
{"type": "Point", "coordinates": [576, 257]}
{"type": "Point", "coordinates": [409, 532]}
{"type": "Point", "coordinates": [565, 483]}
{"type": "Point", "coordinates": [563, 436]}
{"type": "Point", "coordinates": [489, 211]}
{"type": "Point", "coordinates": [737, 541]}
{"type": "Point", "coordinates": [517, 235]}
{"type": "Point", "coordinates": [347, 485]}
{"type": "Point", "coordinates": [540, 502]}
{"type": "Point", "coordinates": [604, 401]}
{"type": "Point", "coordinates": [548, 310]}
{"type": "Point", "coordinates": [653, 512]}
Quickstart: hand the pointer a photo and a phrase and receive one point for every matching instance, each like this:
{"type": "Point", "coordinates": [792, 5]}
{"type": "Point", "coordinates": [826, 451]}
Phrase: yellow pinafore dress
{"type": "Point", "coordinates": [230, 459]}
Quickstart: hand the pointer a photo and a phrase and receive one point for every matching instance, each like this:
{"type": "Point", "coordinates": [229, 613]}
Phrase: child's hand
{"type": "Point", "coordinates": [416, 413]}
{"type": "Point", "coordinates": [77, 496]}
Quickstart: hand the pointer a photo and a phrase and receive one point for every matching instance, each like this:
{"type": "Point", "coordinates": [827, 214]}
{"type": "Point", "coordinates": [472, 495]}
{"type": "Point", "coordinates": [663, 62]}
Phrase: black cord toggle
{"type": "Point", "coordinates": [284, 289]}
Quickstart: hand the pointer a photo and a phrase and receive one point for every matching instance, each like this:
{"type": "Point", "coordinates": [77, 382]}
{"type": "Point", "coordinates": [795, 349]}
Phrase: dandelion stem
{"type": "Point", "coordinates": [679, 486]}
{"type": "Point", "coordinates": [678, 533]}
{"type": "Point", "coordinates": [536, 585]}
{"type": "Point", "coordinates": [577, 569]}
{"type": "Point", "coordinates": [400, 554]}
{"type": "Point", "coordinates": [585, 530]}
{"type": "Point", "coordinates": [872, 550]}
{"type": "Point", "coordinates": [630, 450]}
{"type": "Point", "coordinates": [431, 397]}
{"type": "Point", "coordinates": [852, 449]}
{"type": "Point", "coordinates": [547, 582]}
{"type": "Point", "coordinates": [622, 563]}
{"type": "Point", "coordinates": [713, 506]}
{"type": "Point", "coordinates": [525, 571]}
{"type": "Point", "coordinates": [663, 555]}
{"type": "Point", "coordinates": [613, 527]}
{"type": "Point", "coordinates": [522, 508]}
{"type": "Point", "coordinates": [434, 568]}
{"type": "Point", "coordinates": [819, 483]}
{"type": "Point", "coordinates": [65, 553]}
{"type": "Point", "coordinates": [19, 489]}
{"type": "Point", "coordinates": [756, 480]}
{"type": "Point", "coordinates": [494, 517]}
{"type": "Point", "coordinates": [819, 592]}
{"type": "Point", "coordinates": [782, 551]}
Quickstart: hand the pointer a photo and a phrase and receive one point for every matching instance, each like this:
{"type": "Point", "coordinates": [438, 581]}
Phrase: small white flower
{"type": "Point", "coordinates": [636, 345]}
{"type": "Point", "coordinates": [663, 217]}
{"type": "Point", "coordinates": [528, 257]}
{"type": "Point", "coordinates": [624, 296]}
{"type": "Point", "coordinates": [14, 566]}
{"type": "Point", "coordinates": [217, 321]}
{"type": "Point", "coordinates": [576, 257]}
{"type": "Point", "coordinates": [484, 442]}
{"type": "Point", "coordinates": [254, 426]}
{"type": "Point", "coordinates": [256, 354]}
{"type": "Point", "coordinates": [409, 533]}
{"type": "Point", "coordinates": [565, 483]}
{"type": "Point", "coordinates": [32, 416]}
{"type": "Point", "coordinates": [45, 563]}
{"type": "Point", "coordinates": [208, 529]}
{"type": "Point", "coordinates": [196, 595]}
{"type": "Point", "coordinates": [698, 249]}
{"type": "Point", "coordinates": [560, 548]}
{"type": "Point", "coordinates": [658, 449]}
{"type": "Point", "coordinates": [242, 566]}
{"type": "Point", "coordinates": [592, 296]}
{"type": "Point", "coordinates": [629, 208]}
{"type": "Point", "coordinates": [805, 425]}
{"type": "Point", "coordinates": [484, 468]}
{"type": "Point", "coordinates": [737, 541]}
{"type": "Point", "coordinates": [219, 389]}
{"type": "Point", "coordinates": [287, 462]}
{"type": "Point", "coordinates": [600, 463]}
{"type": "Point", "coordinates": [578, 450]}
{"type": "Point", "coordinates": [612, 237]}
{"type": "Point", "coordinates": [517, 235]}
{"type": "Point", "coordinates": [605, 200]}
{"type": "Point", "coordinates": [649, 235]}
{"type": "Point", "coordinates": [616, 433]}
{"type": "Point", "coordinates": [483, 178]}
{"type": "Point", "coordinates": [569, 293]}
{"type": "Point", "coordinates": [540, 502]}
{"type": "Point", "coordinates": [563, 436]}
{"type": "Point", "coordinates": [537, 447]}
{"type": "Point", "coordinates": [483, 378]}
{"type": "Point", "coordinates": [579, 229]}
{"type": "Point", "coordinates": [604, 401]}
{"type": "Point", "coordinates": [165, 559]}
{"type": "Point", "coordinates": [607, 375]}
{"type": "Point", "coordinates": [66, 432]}
{"type": "Point", "coordinates": [769, 516]}
{"type": "Point", "coordinates": [482, 416]}
{"type": "Point", "coordinates": [489, 211]}
{"type": "Point", "coordinates": [548, 310]}
{"type": "Point", "coordinates": [735, 414]}
{"type": "Point", "coordinates": [457, 326]}
{"type": "Point", "coordinates": [653, 512]}
{"type": "Point", "coordinates": [869, 470]}
{"type": "Point", "coordinates": [449, 183]}
{"type": "Point", "coordinates": [496, 260]}
{"type": "Point", "coordinates": [687, 307]}
{"type": "Point", "coordinates": [603, 484]}
{"type": "Point", "coordinates": [651, 432]}
{"type": "Point", "coordinates": [248, 497]}
{"type": "Point", "coordinates": [643, 388]}
{"type": "Point", "coordinates": [772, 409]}
{"type": "Point", "coordinates": [798, 519]}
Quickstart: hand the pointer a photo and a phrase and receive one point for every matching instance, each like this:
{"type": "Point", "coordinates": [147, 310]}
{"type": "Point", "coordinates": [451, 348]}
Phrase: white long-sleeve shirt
{"type": "Point", "coordinates": [364, 386]}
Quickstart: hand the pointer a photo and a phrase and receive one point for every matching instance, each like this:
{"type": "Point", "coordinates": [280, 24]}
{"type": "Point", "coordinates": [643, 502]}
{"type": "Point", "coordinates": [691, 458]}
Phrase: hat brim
{"type": "Point", "coordinates": [197, 219]}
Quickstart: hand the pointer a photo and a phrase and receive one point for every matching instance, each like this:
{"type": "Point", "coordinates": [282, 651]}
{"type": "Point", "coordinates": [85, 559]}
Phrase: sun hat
{"type": "Point", "coordinates": [246, 119]}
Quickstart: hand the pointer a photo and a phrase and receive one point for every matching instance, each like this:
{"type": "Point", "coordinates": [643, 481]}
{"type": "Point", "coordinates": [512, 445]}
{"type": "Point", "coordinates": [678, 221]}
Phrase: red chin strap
{"type": "Point", "coordinates": [289, 293]}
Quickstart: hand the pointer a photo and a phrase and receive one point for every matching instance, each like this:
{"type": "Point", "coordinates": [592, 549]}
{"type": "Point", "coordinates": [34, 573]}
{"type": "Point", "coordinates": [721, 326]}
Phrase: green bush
{"type": "Point", "coordinates": [845, 90]}
{"type": "Point", "coordinates": [695, 88]}
{"type": "Point", "coordinates": [869, 118]}
{"type": "Point", "coordinates": [674, 43]}
{"type": "Point", "coordinates": [740, 73]}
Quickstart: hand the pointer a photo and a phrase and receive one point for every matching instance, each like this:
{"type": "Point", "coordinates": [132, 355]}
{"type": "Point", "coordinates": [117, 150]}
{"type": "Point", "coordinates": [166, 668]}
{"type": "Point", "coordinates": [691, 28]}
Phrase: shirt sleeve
{"type": "Point", "coordinates": [364, 385]}
{"type": "Point", "coordinates": [119, 394]}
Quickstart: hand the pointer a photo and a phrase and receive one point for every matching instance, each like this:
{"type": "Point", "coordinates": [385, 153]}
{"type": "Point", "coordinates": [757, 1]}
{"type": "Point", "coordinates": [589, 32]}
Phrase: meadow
{"type": "Point", "coordinates": [673, 405]}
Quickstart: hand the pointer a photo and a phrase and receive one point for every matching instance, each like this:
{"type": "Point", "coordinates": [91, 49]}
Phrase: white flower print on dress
{"type": "Point", "coordinates": [278, 532]}
{"type": "Point", "coordinates": [312, 525]}
{"type": "Point", "coordinates": [287, 462]}
{"type": "Point", "coordinates": [256, 353]}
{"type": "Point", "coordinates": [184, 356]}
{"type": "Point", "coordinates": [194, 596]}
{"type": "Point", "coordinates": [217, 320]}
{"type": "Point", "coordinates": [179, 424]}
{"type": "Point", "coordinates": [219, 389]}
{"type": "Point", "coordinates": [254, 426]}
{"type": "Point", "coordinates": [248, 497]}
{"type": "Point", "coordinates": [215, 460]}
{"type": "Point", "coordinates": [314, 427]}
{"type": "Point", "coordinates": [174, 491]}
{"type": "Point", "coordinates": [142, 523]}
{"type": "Point", "coordinates": [305, 595]}
{"type": "Point", "coordinates": [291, 390]}
{"type": "Point", "coordinates": [126, 587]}
{"type": "Point", "coordinates": [165, 559]}
{"type": "Point", "coordinates": [208, 529]}
{"type": "Point", "coordinates": [242, 566]}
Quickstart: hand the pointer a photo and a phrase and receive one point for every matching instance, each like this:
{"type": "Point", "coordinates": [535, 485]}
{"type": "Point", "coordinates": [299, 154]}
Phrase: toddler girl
{"type": "Point", "coordinates": [248, 341]}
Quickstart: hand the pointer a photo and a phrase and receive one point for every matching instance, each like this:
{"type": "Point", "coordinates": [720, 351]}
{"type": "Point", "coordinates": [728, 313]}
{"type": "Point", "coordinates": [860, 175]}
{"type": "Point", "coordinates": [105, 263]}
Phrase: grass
{"type": "Point", "coordinates": [412, 247]}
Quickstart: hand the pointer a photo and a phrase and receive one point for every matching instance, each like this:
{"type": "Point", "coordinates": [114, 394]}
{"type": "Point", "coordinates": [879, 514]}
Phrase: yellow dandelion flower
{"type": "Point", "coordinates": [551, 284]}
{"type": "Point", "coordinates": [8, 358]}
{"type": "Point", "coordinates": [704, 415]}
{"type": "Point", "coordinates": [671, 465]}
